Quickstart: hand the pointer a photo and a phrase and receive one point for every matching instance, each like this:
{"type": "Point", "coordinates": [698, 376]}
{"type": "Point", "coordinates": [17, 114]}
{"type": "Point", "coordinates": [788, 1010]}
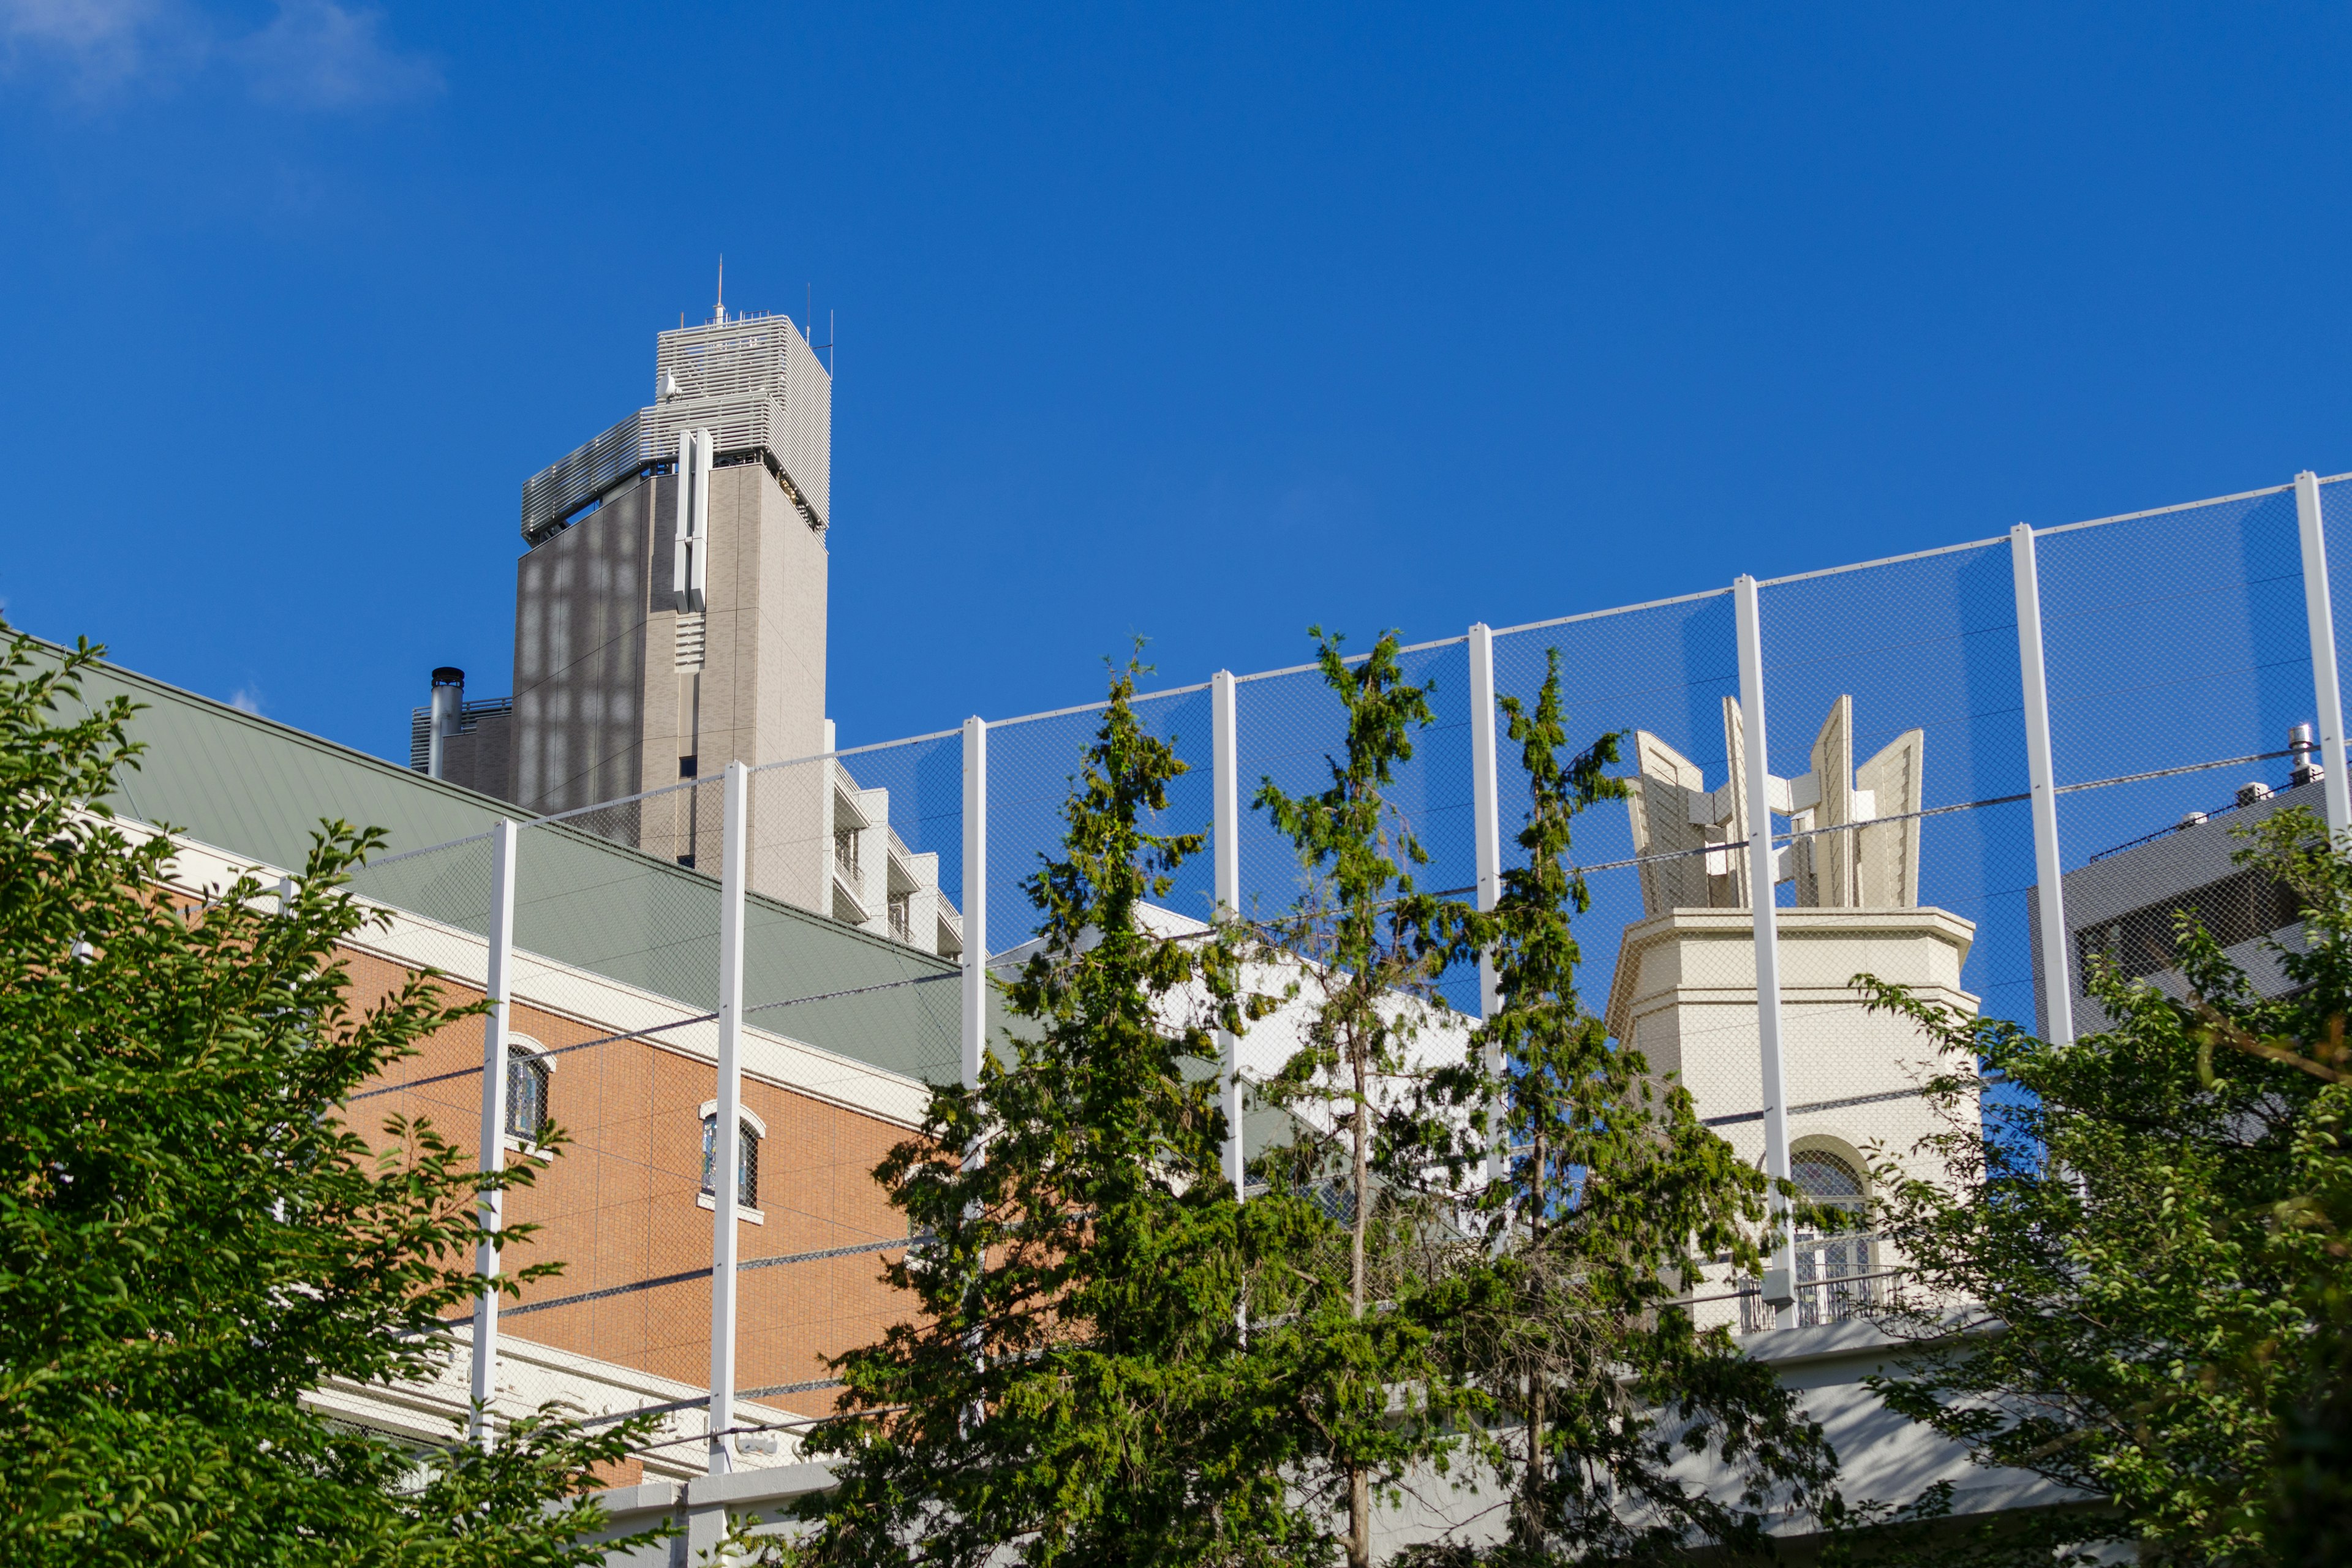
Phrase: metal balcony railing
{"type": "Point", "coordinates": [1836, 1282]}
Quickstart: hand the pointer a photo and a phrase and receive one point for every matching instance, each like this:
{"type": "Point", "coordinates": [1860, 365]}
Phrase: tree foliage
{"type": "Point", "coordinates": [1072, 1389]}
{"type": "Point", "coordinates": [2151, 1232]}
{"type": "Point", "coordinates": [192, 1235]}
{"type": "Point", "coordinates": [1609, 1197]}
{"type": "Point", "coordinates": [1350, 1306]}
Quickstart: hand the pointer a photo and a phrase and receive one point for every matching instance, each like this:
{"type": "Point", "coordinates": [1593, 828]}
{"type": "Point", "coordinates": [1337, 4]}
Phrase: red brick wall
{"type": "Point", "coordinates": [618, 1204]}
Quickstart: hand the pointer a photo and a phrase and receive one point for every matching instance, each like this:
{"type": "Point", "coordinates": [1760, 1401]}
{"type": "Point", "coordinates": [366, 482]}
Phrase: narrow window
{"type": "Point", "coordinates": [747, 1160]}
{"type": "Point", "coordinates": [527, 1085]}
{"type": "Point", "coordinates": [1835, 1279]}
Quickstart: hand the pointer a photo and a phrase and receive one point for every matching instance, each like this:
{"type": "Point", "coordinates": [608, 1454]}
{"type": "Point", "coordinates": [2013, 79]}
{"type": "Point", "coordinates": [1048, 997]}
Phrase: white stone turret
{"type": "Point", "coordinates": [1684, 993]}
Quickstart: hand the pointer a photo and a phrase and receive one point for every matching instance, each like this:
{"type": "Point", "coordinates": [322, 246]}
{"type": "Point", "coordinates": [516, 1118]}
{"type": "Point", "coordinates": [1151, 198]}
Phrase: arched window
{"type": "Point", "coordinates": [528, 1080]}
{"type": "Point", "coordinates": [1828, 1180]}
{"type": "Point", "coordinates": [747, 1157]}
{"type": "Point", "coordinates": [1833, 1273]}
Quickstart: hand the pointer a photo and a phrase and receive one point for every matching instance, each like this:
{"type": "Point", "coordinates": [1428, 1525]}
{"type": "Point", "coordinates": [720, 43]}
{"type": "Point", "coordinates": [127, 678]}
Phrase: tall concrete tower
{"type": "Point", "coordinates": [670, 618]}
{"type": "Point", "coordinates": [670, 611]}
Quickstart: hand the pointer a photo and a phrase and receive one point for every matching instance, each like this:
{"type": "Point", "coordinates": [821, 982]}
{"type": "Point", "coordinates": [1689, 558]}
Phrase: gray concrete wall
{"type": "Point", "coordinates": [580, 659]}
{"type": "Point", "coordinates": [482, 758]}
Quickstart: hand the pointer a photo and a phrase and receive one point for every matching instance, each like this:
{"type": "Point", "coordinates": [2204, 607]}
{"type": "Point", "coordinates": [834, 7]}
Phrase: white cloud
{"type": "Point", "coordinates": [313, 54]}
{"type": "Point", "coordinates": [318, 55]}
{"type": "Point", "coordinates": [92, 46]}
{"type": "Point", "coordinates": [246, 700]}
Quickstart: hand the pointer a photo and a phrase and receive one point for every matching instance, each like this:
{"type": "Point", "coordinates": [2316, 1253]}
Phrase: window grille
{"type": "Point", "coordinates": [1834, 1281]}
{"type": "Point", "coordinates": [747, 1161]}
{"type": "Point", "coordinates": [526, 1096]}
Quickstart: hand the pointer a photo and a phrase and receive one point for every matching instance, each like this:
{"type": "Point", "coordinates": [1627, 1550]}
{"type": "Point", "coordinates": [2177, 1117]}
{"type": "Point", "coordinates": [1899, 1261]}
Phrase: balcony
{"type": "Point", "coordinates": [1836, 1283]}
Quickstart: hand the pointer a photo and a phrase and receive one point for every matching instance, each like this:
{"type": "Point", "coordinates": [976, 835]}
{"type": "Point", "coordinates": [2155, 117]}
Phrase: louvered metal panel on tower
{"type": "Point", "coordinates": [752, 380]}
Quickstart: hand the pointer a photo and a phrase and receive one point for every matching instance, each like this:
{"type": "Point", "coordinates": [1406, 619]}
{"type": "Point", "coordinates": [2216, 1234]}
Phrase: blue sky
{"type": "Point", "coordinates": [1198, 322]}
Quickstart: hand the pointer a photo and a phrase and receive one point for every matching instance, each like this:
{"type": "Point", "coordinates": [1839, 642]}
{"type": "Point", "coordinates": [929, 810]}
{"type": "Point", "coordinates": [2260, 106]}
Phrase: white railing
{"type": "Point", "coordinates": [1835, 1283]}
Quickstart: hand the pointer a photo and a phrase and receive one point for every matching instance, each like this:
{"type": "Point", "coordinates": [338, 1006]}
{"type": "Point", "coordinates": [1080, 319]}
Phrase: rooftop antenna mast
{"type": "Point", "coordinates": [720, 314]}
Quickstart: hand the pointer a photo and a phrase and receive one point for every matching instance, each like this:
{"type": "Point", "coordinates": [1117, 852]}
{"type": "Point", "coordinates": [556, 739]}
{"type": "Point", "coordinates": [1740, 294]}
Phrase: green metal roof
{"type": "Point", "coordinates": [253, 788]}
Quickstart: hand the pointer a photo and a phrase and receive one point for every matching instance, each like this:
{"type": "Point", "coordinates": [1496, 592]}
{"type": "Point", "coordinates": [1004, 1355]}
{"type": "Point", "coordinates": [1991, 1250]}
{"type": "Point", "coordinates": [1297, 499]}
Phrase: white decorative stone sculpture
{"type": "Point", "coordinates": [1684, 993]}
{"type": "Point", "coordinates": [1874, 866]}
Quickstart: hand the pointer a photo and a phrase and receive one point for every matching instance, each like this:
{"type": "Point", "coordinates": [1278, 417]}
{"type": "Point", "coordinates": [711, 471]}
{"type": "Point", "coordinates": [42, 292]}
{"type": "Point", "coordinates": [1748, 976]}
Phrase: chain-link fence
{"type": "Point", "coordinates": [1919, 831]}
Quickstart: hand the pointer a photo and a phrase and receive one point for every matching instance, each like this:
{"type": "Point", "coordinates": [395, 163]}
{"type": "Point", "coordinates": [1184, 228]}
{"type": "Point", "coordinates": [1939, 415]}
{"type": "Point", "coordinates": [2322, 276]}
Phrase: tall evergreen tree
{"type": "Point", "coordinates": [1609, 1197]}
{"type": "Point", "coordinates": [1072, 1389]}
{"type": "Point", "coordinates": [1344, 1304]}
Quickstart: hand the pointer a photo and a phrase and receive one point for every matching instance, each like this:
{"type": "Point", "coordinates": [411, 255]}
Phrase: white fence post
{"type": "Point", "coordinates": [1225, 853]}
{"type": "Point", "coordinates": [2318, 606]}
{"type": "Point", "coordinates": [1779, 1279]}
{"type": "Point", "coordinates": [727, 1117]}
{"type": "Point", "coordinates": [1486, 818]}
{"type": "Point", "coordinates": [492, 1158]}
{"type": "Point", "coordinates": [2057, 973]}
{"type": "Point", "coordinates": [975, 896]}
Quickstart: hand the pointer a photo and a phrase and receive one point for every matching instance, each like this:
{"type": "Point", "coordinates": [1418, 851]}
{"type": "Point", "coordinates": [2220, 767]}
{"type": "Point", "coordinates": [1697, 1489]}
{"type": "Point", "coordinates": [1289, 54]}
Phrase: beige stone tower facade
{"type": "Point", "coordinates": [1684, 990]}
{"type": "Point", "coordinates": [620, 688]}
{"type": "Point", "coordinates": [670, 619]}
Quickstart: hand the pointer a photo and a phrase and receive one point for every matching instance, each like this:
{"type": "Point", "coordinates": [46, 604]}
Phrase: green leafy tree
{"type": "Point", "coordinates": [1611, 1196]}
{"type": "Point", "coordinates": [2136, 1284]}
{"type": "Point", "coordinates": [1342, 1286]}
{"type": "Point", "coordinates": [192, 1238]}
{"type": "Point", "coordinates": [1071, 1388]}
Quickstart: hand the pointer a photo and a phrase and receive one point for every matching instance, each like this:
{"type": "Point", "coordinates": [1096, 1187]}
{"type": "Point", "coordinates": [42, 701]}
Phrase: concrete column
{"type": "Point", "coordinates": [1487, 815]}
{"type": "Point", "coordinates": [2321, 612]}
{"type": "Point", "coordinates": [975, 896]}
{"type": "Point", "coordinates": [1226, 848]}
{"type": "Point", "coordinates": [726, 1131]}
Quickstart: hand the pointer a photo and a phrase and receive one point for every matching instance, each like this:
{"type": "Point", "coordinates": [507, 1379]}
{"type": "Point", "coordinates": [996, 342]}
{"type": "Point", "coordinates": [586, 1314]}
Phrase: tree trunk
{"type": "Point", "coordinates": [1531, 1510]}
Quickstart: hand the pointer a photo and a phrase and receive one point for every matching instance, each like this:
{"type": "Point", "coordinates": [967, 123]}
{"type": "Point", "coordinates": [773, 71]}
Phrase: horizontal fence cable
{"type": "Point", "coordinates": [684, 1275]}
{"type": "Point", "coordinates": [2178, 505]}
{"type": "Point", "coordinates": [855, 991]}
{"type": "Point", "coordinates": [1137, 700]}
{"type": "Point", "coordinates": [1790, 837]}
{"type": "Point", "coordinates": [652, 1030]}
{"type": "Point", "coordinates": [1816, 1105]}
{"type": "Point", "coordinates": [372, 865]}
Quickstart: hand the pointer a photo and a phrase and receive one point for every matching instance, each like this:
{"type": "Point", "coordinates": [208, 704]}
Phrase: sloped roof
{"type": "Point", "coordinates": [258, 790]}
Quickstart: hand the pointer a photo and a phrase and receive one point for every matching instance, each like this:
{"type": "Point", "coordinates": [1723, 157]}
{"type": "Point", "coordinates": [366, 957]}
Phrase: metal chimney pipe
{"type": "Point", "coordinates": [448, 698]}
{"type": "Point", "coordinates": [2305, 749]}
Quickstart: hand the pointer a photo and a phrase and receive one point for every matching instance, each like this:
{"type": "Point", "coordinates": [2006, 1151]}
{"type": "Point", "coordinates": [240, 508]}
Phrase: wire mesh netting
{"type": "Point", "coordinates": [838, 1037]}
{"type": "Point", "coordinates": [1656, 677]}
{"type": "Point", "coordinates": [614, 1043]}
{"type": "Point", "coordinates": [1035, 767]}
{"type": "Point", "coordinates": [436, 904]}
{"type": "Point", "coordinates": [2175, 641]}
{"type": "Point", "coordinates": [611, 1095]}
{"type": "Point", "coordinates": [2178, 669]}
